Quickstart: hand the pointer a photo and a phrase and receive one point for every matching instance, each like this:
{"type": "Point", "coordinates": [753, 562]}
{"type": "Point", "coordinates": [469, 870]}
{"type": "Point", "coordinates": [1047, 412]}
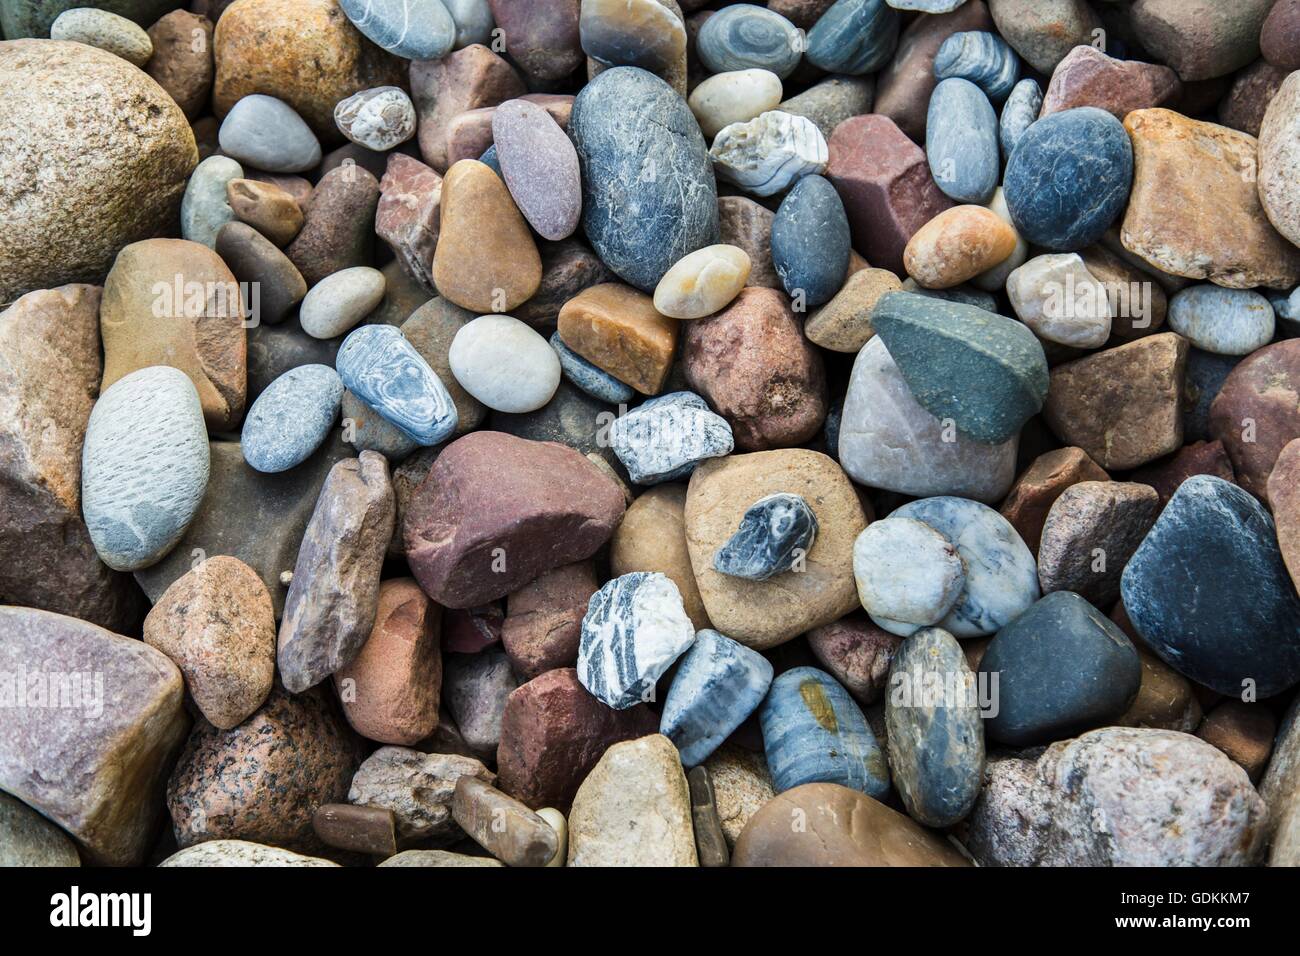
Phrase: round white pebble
{"type": "Point", "coordinates": [504, 364]}
{"type": "Point", "coordinates": [1223, 321]}
{"type": "Point", "coordinates": [341, 300]}
{"type": "Point", "coordinates": [908, 574]}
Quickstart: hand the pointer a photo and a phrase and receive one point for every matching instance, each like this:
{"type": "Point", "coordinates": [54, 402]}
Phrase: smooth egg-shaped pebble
{"type": "Point", "coordinates": [719, 682]}
{"type": "Point", "coordinates": [936, 733]}
{"type": "Point", "coordinates": [1069, 178]}
{"type": "Point", "coordinates": [1019, 112]}
{"type": "Point", "coordinates": [810, 241]}
{"type": "Point", "coordinates": [411, 29]}
{"type": "Point", "coordinates": [958, 245]}
{"type": "Point", "coordinates": [744, 36]}
{"type": "Point", "coordinates": [814, 732]}
{"type": "Point", "coordinates": [380, 119]}
{"type": "Point", "coordinates": [1001, 575]}
{"type": "Point", "coordinates": [103, 29]}
{"type": "Point", "coordinates": [908, 574]}
{"type": "Point", "coordinates": [592, 379]}
{"type": "Point", "coordinates": [291, 418]}
{"type": "Point", "coordinates": [341, 300]}
{"type": "Point", "coordinates": [1223, 321]}
{"type": "Point", "coordinates": [702, 283]}
{"type": "Point", "coordinates": [540, 167]}
{"type": "Point", "coordinates": [734, 97]}
{"type": "Point", "coordinates": [1057, 297]}
{"type": "Point", "coordinates": [268, 135]}
{"type": "Point", "coordinates": [504, 363]}
{"type": "Point", "coordinates": [383, 369]}
{"type": "Point", "coordinates": [854, 37]}
{"type": "Point", "coordinates": [984, 58]}
{"type": "Point", "coordinates": [144, 466]}
{"type": "Point", "coordinates": [961, 141]}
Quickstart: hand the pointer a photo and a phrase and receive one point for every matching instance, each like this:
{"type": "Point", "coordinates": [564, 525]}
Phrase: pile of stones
{"type": "Point", "coordinates": [650, 432]}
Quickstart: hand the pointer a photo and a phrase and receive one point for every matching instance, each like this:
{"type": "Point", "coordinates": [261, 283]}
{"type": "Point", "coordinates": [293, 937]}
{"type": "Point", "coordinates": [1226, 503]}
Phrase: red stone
{"type": "Point", "coordinates": [1088, 77]}
{"type": "Point", "coordinates": [541, 35]}
{"type": "Point", "coordinates": [857, 653]}
{"type": "Point", "coordinates": [1257, 412]}
{"type": "Point", "coordinates": [471, 629]}
{"type": "Point", "coordinates": [1279, 39]}
{"type": "Point", "coordinates": [544, 622]}
{"type": "Point", "coordinates": [408, 215]}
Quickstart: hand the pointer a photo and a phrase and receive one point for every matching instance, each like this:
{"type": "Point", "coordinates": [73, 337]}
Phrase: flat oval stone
{"type": "Point", "coordinates": [854, 37]}
{"type": "Point", "coordinates": [412, 29]}
{"type": "Point", "coordinates": [908, 574]}
{"type": "Point", "coordinates": [144, 466]}
{"type": "Point", "coordinates": [384, 370]}
{"type": "Point", "coordinates": [505, 364]}
{"type": "Point", "coordinates": [268, 135]}
{"type": "Point", "coordinates": [1062, 668]}
{"type": "Point", "coordinates": [734, 97]}
{"type": "Point", "coordinates": [959, 244]}
{"type": "Point", "coordinates": [702, 283]}
{"type": "Point", "coordinates": [540, 167]}
{"type": "Point", "coordinates": [776, 532]}
{"type": "Point", "coordinates": [814, 732]}
{"type": "Point", "coordinates": [936, 733]}
{"type": "Point", "coordinates": [1019, 112]}
{"type": "Point", "coordinates": [106, 30]}
{"type": "Point", "coordinates": [810, 241]}
{"type": "Point", "coordinates": [768, 153]}
{"type": "Point", "coordinates": [1001, 576]}
{"type": "Point", "coordinates": [648, 193]}
{"type": "Point", "coordinates": [1057, 297]}
{"type": "Point", "coordinates": [982, 57]}
{"type": "Point", "coordinates": [718, 684]}
{"type": "Point", "coordinates": [744, 36]}
{"type": "Point", "coordinates": [961, 141]}
{"type": "Point", "coordinates": [1223, 321]}
{"type": "Point", "coordinates": [381, 118]}
{"type": "Point", "coordinates": [664, 438]}
{"type": "Point", "coordinates": [1209, 593]}
{"type": "Point", "coordinates": [291, 418]}
{"type": "Point", "coordinates": [1069, 178]}
{"type": "Point", "coordinates": [205, 207]}
{"type": "Point", "coordinates": [592, 379]}
{"type": "Point", "coordinates": [341, 300]}
{"type": "Point", "coordinates": [634, 628]}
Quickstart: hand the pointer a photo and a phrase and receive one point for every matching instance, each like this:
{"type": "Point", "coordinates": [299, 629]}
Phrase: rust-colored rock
{"type": "Point", "coordinates": [468, 79]}
{"type": "Point", "coordinates": [182, 59]}
{"type": "Point", "coordinates": [266, 207]}
{"type": "Point", "coordinates": [857, 653]}
{"type": "Point", "coordinates": [1088, 77]}
{"type": "Point", "coordinates": [1036, 490]}
{"type": "Point", "coordinates": [1166, 700]}
{"type": "Point", "coordinates": [746, 225]}
{"type": "Point", "coordinates": [409, 216]}
{"type": "Point", "coordinates": [617, 328]}
{"type": "Point", "coordinates": [844, 323]}
{"type": "Point", "coordinates": [1257, 412]}
{"type": "Point", "coordinates": [544, 619]}
{"type": "Point", "coordinates": [1242, 731]}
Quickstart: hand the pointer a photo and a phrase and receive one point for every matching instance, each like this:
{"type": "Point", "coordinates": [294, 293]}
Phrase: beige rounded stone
{"type": "Point", "coordinates": [652, 537]}
{"type": "Point", "coordinates": [957, 245]}
{"type": "Point", "coordinates": [702, 283]}
{"type": "Point", "coordinates": [106, 30]}
{"type": "Point", "coordinates": [763, 614]}
{"type": "Point", "coordinates": [734, 97]}
{"type": "Point", "coordinates": [844, 323]}
{"type": "Point", "coordinates": [1279, 160]}
{"type": "Point", "coordinates": [741, 785]}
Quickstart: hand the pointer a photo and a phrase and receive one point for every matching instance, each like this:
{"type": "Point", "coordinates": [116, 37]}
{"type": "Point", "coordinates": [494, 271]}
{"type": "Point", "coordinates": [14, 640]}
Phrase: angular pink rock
{"type": "Point", "coordinates": [467, 79]}
{"type": "Point", "coordinates": [1088, 77]}
{"type": "Point", "coordinates": [544, 623]}
{"type": "Point", "coordinates": [1257, 412]}
{"type": "Point", "coordinates": [407, 218]}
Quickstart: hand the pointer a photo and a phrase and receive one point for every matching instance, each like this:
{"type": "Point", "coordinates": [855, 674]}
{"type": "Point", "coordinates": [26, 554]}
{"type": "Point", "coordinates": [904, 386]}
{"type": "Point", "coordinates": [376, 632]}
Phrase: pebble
{"type": "Point", "coordinates": [338, 227]}
{"type": "Point", "coordinates": [958, 244]}
{"type": "Point", "coordinates": [1196, 458]}
{"type": "Point", "coordinates": [1222, 321]}
{"type": "Point", "coordinates": [710, 841]}
{"type": "Point", "coordinates": [1043, 32]}
{"type": "Point", "coordinates": [1286, 506]}
{"type": "Point", "coordinates": [650, 34]}
{"type": "Point", "coordinates": [592, 379]}
{"type": "Point", "coordinates": [1088, 77]}
{"type": "Point", "coordinates": [768, 153]}
{"type": "Point", "coordinates": [832, 101]}
{"type": "Point", "coordinates": [909, 575]}
{"type": "Point", "coordinates": [540, 167]}
{"type": "Point", "coordinates": [1279, 160]}
{"type": "Point", "coordinates": [267, 134]}
{"type": "Point", "coordinates": [240, 853]}
{"type": "Point", "coordinates": [543, 622]}
{"type": "Point", "coordinates": [504, 364]}
{"type": "Point", "coordinates": [741, 786]}
{"type": "Point", "coordinates": [291, 418]}
{"type": "Point", "coordinates": [255, 260]}
{"type": "Point", "coordinates": [734, 97]}
{"type": "Point", "coordinates": [1061, 301]}
{"type": "Point", "coordinates": [854, 37]}
{"type": "Point", "coordinates": [745, 37]}
{"type": "Point", "coordinates": [1038, 487]}
{"type": "Point", "coordinates": [745, 224]}
{"type": "Point", "coordinates": [1279, 38]}
{"type": "Point", "coordinates": [702, 283]}
{"type": "Point", "coordinates": [411, 29]}
{"type": "Point", "coordinates": [981, 57]}
{"type": "Point", "coordinates": [1208, 591]}
{"type": "Point", "coordinates": [541, 38]}
{"type": "Point", "coordinates": [652, 537]}
{"type": "Point", "coordinates": [813, 732]}
{"type": "Point", "coordinates": [1019, 112]}
{"type": "Point", "coordinates": [1199, 38]}
{"type": "Point", "coordinates": [380, 118]}
{"type": "Point", "coordinates": [1278, 790]}
{"type": "Point", "coordinates": [384, 370]}
{"type": "Point", "coordinates": [370, 830]}
{"type": "Point", "coordinates": [503, 826]}
{"type": "Point", "coordinates": [266, 207]}
{"type": "Point", "coordinates": [717, 685]}
{"type": "Point", "coordinates": [844, 323]}
{"type": "Point", "coordinates": [475, 688]}
{"type": "Point", "coordinates": [810, 241]}
{"type": "Point", "coordinates": [28, 839]}
{"type": "Point", "coordinates": [418, 789]}
{"type": "Point", "coordinates": [105, 30]}
{"type": "Point", "coordinates": [340, 301]}
{"type": "Point", "coordinates": [1256, 412]}
{"type": "Point", "coordinates": [468, 79]}
{"type": "Point", "coordinates": [665, 438]}
{"type": "Point", "coordinates": [205, 207]}
{"type": "Point", "coordinates": [182, 59]}
{"type": "Point", "coordinates": [618, 329]}
{"type": "Point", "coordinates": [775, 534]}
{"type": "Point", "coordinates": [1248, 99]}
{"type": "Point", "coordinates": [1244, 732]}
{"type": "Point", "coordinates": [936, 730]}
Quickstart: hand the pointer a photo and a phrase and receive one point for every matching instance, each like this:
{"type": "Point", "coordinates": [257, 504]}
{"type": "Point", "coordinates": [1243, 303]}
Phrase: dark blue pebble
{"type": "Point", "coordinates": [810, 241]}
{"type": "Point", "coordinates": [1205, 375]}
{"type": "Point", "coordinates": [984, 58]}
{"type": "Point", "coordinates": [774, 533]}
{"type": "Point", "coordinates": [854, 37]}
{"type": "Point", "coordinates": [592, 379]}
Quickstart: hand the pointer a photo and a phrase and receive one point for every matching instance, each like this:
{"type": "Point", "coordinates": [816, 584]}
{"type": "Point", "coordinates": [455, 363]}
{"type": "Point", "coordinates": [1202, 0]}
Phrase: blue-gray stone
{"type": "Point", "coordinates": [489, 159]}
{"type": "Point", "coordinates": [814, 732]}
{"type": "Point", "coordinates": [412, 29]}
{"type": "Point", "coordinates": [1019, 112]}
{"type": "Point", "coordinates": [664, 438]}
{"type": "Point", "coordinates": [745, 37]}
{"type": "Point", "coordinates": [1061, 668]}
{"type": "Point", "coordinates": [634, 629]}
{"type": "Point", "coordinates": [1223, 321]}
{"type": "Point", "coordinates": [926, 6]}
{"type": "Point", "coordinates": [267, 134]}
{"type": "Point", "coordinates": [384, 370]}
{"type": "Point", "coordinates": [1001, 574]}
{"type": "Point", "coordinates": [985, 372]}
{"type": "Point", "coordinates": [961, 142]}
{"type": "Point", "coordinates": [962, 294]}
{"type": "Point", "coordinates": [936, 734]}
{"type": "Point", "coordinates": [1069, 178]}
{"type": "Point", "coordinates": [1287, 307]}
{"type": "Point", "coordinates": [854, 37]}
{"type": "Point", "coordinates": [1208, 592]}
{"type": "Point", "coordinates": [204, 207]}
{"type": "Point", "coordinates": [719, 682]}
{"type": "Point", "coordinates": [291, 418]}
{"type": "Point", "coordinates": [474, 21]}
{"type": "Point", "coordinates": [648, 194]}
{"type": "Point", "coordinates": [592, 379]}
{"type": "Point", "coordinates": [775, 532]}
{"type": "Point", "coordinates": [1202, 380]}
{"type": "Point", "coordinates": [984, 58]}
{"type": "Point", "coordinates": [810, 241]}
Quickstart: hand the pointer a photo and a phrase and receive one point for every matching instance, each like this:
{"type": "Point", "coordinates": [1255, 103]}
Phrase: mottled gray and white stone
{"type": "Point", "coordinates": [745, 36]}
{"type": "Point", "coordinates": [1057, 297]}
{"type": "Point", "coordinates": [268, 135]}
{"type": "Point", "coordinates": [926, 6]}
{"type": "Point", "coordinates": [144, 466]}
{"type": "Point", "coordinates": [961, 142]}
{"type": "Point", "coordinates": [665, 438]}
{"type": "Point", "coordinates": [634, 628]}
{"type": "Point", "coordinates": [908, 574]}
{"type": "Point", "coordinates": [1019, 112]}
{"type": "Point", "coordinates": [205, 208]}
{"type": "Point", "coordinates": [106, 30]}
{"type": "Point", "coordinates": [384, 370]}
{"type": "Point", "coordinates": [473, 19]}
{"type": "Point", "coordinates": [592, 379]}
{"type": "Point", "coordinates": [341, 300]}
{"type": "Point", "coordinates": [417, 788]}
{"type": "Point", "coordinates": [982, 57]}
{"type": "Point", "coordinates": [1222, 321]}
{"type": "Point", "coordinates": [411, 29]}
{"type": "Point", "coordinates": [291, 418]}
{"type": "Point", "coordinates": [504, 363]}
{"type": "Point", "coordinates": [381, 118]}
{"type": "Point", "coordinates": [766, 154]}
{"type": "Point", "coordinates": [887, 440]}
{"type": "Point", "coordinates": [1001, 576]}
{"type": "Point", "coordinates": [240, 853]}
{"type": "Point", "coordinates": [775, 533]}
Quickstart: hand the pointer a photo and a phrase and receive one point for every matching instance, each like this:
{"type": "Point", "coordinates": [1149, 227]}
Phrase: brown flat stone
{"type": "Point", "coordinates": [1088, 77]}
{"type": "Point", "coordinates": [1036, 490]}
{"type": "Point", "coordinates": [469, 134]}
{"type": "Point", "coordinates": [356, 829]}
{"type": "Point", "coordinates": [502, 825]}
{"type": "Point", "coordinates": [541, 35]}
{"type": "Point", "coordinates": [615, 327]}
{"type": "Point", "coordinates": [844, 323]}
{"type": "Point", "coordinates": [1257, 412]}
{"type": "Point", "coordinates": [256, 261]}
{"type": "Point", "coordinates": [338, 229]}
{"type": "Point", "coordinates": [710, 842]}
{"type": "Point", "coordinates": [467, 79]}
{"type": "Point", "coordinates": [652, 537]}
{"type": "Point", "coordinates": [1139, 305]}
{"type": "Point", "coordinates": [431, 329]}
{"type": "Point", "coordinates": [1279, 38]}
{"type": "Point", "coordinates": [266, 207]}
{"type": "Point", "coordinates": [544, 619]}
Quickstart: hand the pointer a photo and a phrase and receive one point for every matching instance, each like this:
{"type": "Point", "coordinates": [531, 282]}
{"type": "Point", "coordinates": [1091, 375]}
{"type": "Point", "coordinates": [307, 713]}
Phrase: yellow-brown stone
{"type": "Point", "coordinates": [617, 328]}
{"type": "Point", "coordinates": [266, 207]}
{"type": "Point", "coordinates": [957, 245]}
{"type": "Point", "coordinates": [844, 323]}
